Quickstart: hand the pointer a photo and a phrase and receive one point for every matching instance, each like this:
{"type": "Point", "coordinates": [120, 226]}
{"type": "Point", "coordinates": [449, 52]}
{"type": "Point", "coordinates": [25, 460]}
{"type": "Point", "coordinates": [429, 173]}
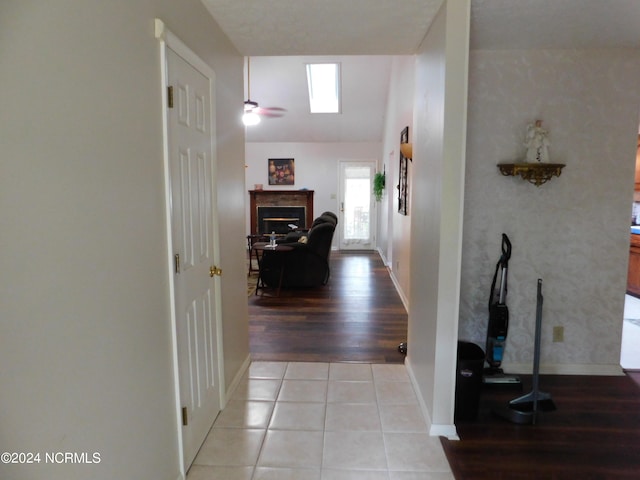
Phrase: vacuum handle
{"type": "Point", "coordinates": [503, 262]}
{"type": "Point", "coordinates": [506, 249]}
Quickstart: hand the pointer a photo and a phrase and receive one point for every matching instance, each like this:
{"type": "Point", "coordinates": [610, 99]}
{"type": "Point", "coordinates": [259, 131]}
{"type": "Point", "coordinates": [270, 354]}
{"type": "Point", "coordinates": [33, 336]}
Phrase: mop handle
{"type": "Point", "coordinates": [536, 348]}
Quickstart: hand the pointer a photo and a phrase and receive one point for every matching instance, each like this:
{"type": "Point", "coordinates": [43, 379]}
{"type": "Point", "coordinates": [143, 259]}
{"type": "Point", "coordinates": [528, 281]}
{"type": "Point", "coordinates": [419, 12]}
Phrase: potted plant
{"type": "Point", "coordinates": [378, 185]}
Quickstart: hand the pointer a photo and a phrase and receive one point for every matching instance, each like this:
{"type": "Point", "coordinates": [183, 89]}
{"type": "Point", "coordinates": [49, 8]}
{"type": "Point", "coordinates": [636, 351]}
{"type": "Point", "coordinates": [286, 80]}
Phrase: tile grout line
{"type": "Point", "coordinates": [268, 423]}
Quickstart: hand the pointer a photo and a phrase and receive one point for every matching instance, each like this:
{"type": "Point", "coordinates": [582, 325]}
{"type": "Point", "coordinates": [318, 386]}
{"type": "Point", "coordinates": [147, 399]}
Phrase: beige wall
{"type": "Point", "coordinates": [437, 206]}
{"type": "Point", "coordinates": [84, 313]}
{"type": "Point", "coordinates": [395, 229]}
{"type": "Point", "coordinates": [572, 232]}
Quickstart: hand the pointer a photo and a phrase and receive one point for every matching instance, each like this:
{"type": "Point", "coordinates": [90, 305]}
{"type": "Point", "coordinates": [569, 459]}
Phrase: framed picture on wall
{"type": "Point", "coordinates": [281, 171]}
{"type": "Point", "coordinates": [403, 176]}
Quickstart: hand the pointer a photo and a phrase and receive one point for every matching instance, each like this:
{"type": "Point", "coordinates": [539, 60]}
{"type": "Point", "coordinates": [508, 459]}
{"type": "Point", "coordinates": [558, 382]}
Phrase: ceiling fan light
{"type": "Point", "coordinates": [250, 118]}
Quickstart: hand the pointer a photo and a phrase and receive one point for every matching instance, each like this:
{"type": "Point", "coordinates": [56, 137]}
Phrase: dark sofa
{"type": "Point", "coordinates": [296, 235]}
{"type": "Point", "coordinates": [307, 265]}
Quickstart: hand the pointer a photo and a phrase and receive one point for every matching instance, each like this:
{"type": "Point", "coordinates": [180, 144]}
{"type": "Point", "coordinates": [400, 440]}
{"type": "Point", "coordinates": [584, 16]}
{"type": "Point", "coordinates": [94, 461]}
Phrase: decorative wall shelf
{"type": "Point", "coordinates": [536, 173]}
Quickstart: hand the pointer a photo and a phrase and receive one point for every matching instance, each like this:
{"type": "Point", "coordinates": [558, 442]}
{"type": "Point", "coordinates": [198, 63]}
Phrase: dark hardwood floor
{"type": "Point", "coordinates": [357, 317]}
{"type": "Point", "coordinates": [593, 434]}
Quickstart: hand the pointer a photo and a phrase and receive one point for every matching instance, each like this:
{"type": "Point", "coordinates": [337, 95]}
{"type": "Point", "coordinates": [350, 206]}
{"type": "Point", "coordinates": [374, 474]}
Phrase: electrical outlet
{"type": "Point", "coordinates": [558, 334]}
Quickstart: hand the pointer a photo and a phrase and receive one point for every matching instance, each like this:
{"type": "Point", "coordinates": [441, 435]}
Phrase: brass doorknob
{"type": "Point", "coordinates": [215, 271]}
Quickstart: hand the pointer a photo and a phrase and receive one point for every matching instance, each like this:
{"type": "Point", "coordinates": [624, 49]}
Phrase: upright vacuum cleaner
{"type": "Point", "coordinates": [498, 323]}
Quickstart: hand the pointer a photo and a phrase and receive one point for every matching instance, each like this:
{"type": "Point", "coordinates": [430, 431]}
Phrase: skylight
{"type": "Point", "coordinates": [324, 87]}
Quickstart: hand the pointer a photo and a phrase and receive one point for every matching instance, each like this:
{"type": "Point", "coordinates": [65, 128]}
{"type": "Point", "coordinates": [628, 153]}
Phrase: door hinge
{"type": "Point", "coordinates": [170, 96]}
{"type": "Point", "coordinates": [177, 262]}
{"type": "Point", "coordinates": [185, 420]}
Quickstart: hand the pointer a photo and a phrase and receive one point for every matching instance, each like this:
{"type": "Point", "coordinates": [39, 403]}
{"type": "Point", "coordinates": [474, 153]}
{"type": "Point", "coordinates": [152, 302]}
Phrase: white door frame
{"type": "Point", "coordinates": [169, 40]}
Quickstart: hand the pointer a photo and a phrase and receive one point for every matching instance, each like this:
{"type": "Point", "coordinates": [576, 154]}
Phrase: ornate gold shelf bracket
{"type": "Point", "coordinates": [536, 173]}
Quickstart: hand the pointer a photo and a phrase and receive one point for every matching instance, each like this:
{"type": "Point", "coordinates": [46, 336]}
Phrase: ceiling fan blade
{"type": "Point", "coordinates": [271, 115]}
{"type": "Point", "coordinates": [253, 107]}
{"type": "Point", "coordinates": [271, 112]}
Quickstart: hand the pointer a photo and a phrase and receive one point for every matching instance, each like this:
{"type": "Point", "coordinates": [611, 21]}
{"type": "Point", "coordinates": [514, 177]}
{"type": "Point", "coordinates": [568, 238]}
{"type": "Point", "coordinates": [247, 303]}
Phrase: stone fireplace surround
{"type": "Point", "coordinates": [287, 206]}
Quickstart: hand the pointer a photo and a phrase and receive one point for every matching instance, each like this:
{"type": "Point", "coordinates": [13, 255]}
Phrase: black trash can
{"type": "Point", "coordinates": [469, 370]}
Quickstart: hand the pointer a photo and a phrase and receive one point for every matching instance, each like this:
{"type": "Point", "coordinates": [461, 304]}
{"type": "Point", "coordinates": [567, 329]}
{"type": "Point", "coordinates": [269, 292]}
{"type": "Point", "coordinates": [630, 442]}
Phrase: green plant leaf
{"type": "Point", "coordinates": [378, 185]}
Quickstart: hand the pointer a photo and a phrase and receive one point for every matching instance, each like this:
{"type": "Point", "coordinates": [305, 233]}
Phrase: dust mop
{"type": "Point", "coordinates": [524, 409]}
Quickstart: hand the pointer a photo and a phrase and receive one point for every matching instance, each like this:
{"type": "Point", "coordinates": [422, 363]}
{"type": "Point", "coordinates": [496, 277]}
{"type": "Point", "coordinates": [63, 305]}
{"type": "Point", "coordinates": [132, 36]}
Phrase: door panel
{"type": "Point", "coordinates": [191, 165]}
{"type": "Point", "coordinates": [357, 214]}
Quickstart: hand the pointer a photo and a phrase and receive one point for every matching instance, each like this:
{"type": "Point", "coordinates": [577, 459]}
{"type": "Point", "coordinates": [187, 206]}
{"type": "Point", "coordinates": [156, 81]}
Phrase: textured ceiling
{"type": "Point", "coordinates": [396, 27]}
{"type": "Point", "coordinates": [324, 27]}
{"type": "Point", "coordinates": [281, 35]}
{"type": "Point", "coordinates": [524, 24]}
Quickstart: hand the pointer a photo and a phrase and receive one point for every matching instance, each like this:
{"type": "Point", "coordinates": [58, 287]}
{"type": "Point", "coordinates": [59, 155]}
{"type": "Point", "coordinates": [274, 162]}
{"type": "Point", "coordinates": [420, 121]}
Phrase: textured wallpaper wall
{"type": "Point", "coordinates": [572, 232]}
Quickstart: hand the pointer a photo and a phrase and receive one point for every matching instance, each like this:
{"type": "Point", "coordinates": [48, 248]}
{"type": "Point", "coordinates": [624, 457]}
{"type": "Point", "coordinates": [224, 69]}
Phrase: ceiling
{"type": "Point", "coordinates": [282, 82]}
{"type": "Point", "coordinates": [324, 27]}
{"type": "Point", "coordinates": [281, 36]}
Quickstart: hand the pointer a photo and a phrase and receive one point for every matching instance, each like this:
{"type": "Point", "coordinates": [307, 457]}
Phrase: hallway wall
{"type": "Point", "coordinates": [437, 204]}
{"type": "Point", "coordinates": [396, 245]}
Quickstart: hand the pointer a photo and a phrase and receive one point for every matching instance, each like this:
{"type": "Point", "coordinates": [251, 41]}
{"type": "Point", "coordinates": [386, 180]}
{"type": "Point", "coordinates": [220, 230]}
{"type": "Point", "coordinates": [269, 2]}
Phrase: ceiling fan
{"type": "Point", "coordinates": [252, 111]}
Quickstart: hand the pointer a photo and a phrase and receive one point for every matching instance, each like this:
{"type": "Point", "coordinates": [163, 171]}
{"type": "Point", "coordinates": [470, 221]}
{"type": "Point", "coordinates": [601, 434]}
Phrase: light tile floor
{"type": "Point", "coordinates": [321, 421]}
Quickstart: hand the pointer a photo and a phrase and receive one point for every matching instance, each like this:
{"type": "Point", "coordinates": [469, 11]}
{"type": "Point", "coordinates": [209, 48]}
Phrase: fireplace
{"type": "Point", "coordinates": [274, 210]}
{"type": "Point", "coordinates": [280, 219]}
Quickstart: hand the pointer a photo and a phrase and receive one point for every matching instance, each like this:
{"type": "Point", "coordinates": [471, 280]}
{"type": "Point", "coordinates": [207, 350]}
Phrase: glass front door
{"type": "Point", "coordinates": [357, 214]}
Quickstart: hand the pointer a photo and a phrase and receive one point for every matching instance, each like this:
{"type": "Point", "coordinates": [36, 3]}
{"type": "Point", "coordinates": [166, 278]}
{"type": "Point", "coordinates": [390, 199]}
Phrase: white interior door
{"type": "Point", "coordinates": [194, 241]}
{"type": "Point", "coordinates": [357, 214]}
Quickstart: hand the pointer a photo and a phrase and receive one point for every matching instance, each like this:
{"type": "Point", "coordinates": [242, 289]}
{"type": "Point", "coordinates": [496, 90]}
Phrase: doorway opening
{"type": "Point", "coordinates": [629, 353]}
{"type": "Point", "coordinates": [357, 222]}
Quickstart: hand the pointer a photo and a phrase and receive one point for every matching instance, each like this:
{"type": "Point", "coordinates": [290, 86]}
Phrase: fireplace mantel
{"type": "Point", "coordinates": [280, 198]}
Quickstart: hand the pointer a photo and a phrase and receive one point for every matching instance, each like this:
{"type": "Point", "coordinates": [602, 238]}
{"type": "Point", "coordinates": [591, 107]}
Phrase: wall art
{"type": "Point", "coordinates": [281, 171]}
{"type": "Point", "coordinates": [403, 177]}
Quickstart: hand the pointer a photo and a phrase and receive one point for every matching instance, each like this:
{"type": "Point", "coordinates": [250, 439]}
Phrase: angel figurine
{"type": "Point", "coordinates": [537, 143]}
